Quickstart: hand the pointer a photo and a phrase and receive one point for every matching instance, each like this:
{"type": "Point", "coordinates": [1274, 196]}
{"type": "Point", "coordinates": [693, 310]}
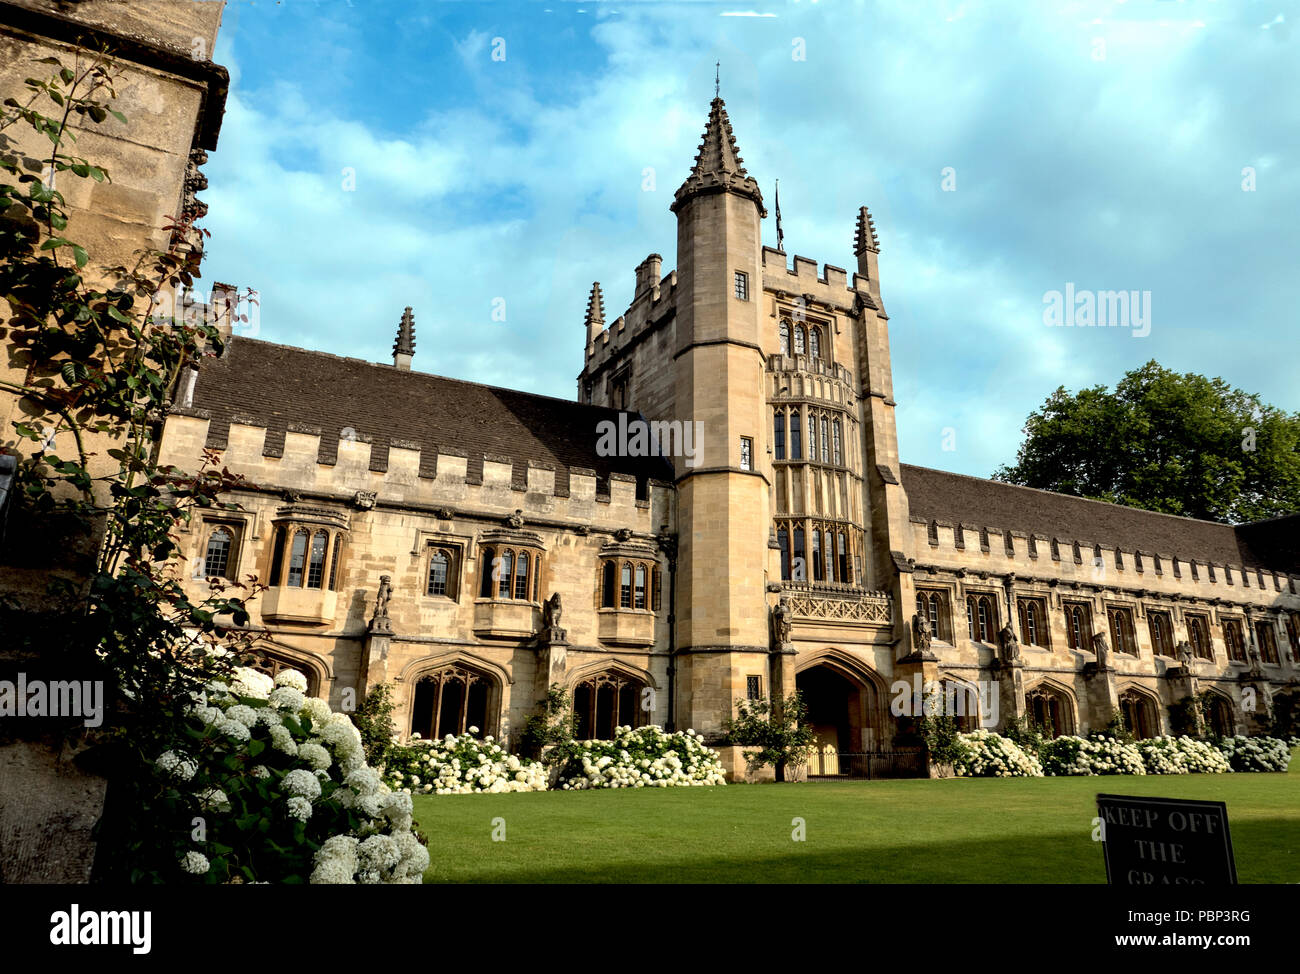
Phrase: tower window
{"type": "Point", "coordinates": [796, 446]}
{"type": "Point", "coordinates": [746, 453]}
{"type": "Point", "coordinates": [778, 436]}
{"type": "Point", "coordinates": [742, 286]}
{"type": "Point", "coordinates": [815, 342]}
{"type": "Point", "coordinates": [753, 687]}
{"type": "Point", "coordinates": [785, 337]}
{"type": "Point", "coordinates": [800, 338]}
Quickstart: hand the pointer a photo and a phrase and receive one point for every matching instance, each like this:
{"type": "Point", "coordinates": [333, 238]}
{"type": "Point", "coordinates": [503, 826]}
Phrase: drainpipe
{"type": "Point", "coordinates": [668, 545]}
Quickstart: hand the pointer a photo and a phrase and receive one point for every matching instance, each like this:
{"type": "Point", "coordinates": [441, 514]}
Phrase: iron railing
{"type": "Point", "coordinates": [829, 764]}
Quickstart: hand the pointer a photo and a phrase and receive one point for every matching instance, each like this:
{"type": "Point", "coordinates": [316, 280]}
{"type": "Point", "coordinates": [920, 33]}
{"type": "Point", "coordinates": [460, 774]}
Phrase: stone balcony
{"type": "Point", "coordinates": [313, 606]}
{"type": "Point", "coordinates": [838, 602]}
{"type": "Point", "coordinates": [504, 619]}
{"type": "Point", "coordinates": [625, 627]}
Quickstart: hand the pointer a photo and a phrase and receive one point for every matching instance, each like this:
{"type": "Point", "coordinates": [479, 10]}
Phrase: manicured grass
{"type": "Point", "coordinates": [1019, 830]}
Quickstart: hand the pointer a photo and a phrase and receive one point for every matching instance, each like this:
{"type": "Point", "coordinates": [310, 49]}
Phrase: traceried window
{"type": "Point", "coordinates": [796, 446]}
{"type": "Point", "coordinates": [1234, 639]}
{"type": "Point", "coordinates": [842, 554]}
{"type": "Point", "coordinates": [930, 605]}
{"type": "Point", "coordinates": [606, 702]}
{"type": "Point", "coordinates": [784, 329]}
{"type": "Point", "coordinates": [439, 569]}
{"type": "Point", "coordinates": [1198, 634]}
{"type": "Point", "coordinates": [217, 556]}
{"type": "Point", "coordinates": [509, 573]}
{"type": "Point", "coordinates": [799, 340]}
{"type": "Point", "coordinates": [1162, 633]}
{"type": "Point", "coordinates": [1033, 621]}
{"type": "Point", "coordinates": [316, 563]}
{"type": "Point", "coordinates": [826, 453]}
{"type": "Point", "coordinates": [835, 433]}
{"type": "Point", "coordinates": [981, 618]}
{"type": "Point", "coordinates": [451, 700]}
{"type": "Point", "coordinates": [815, 342]}
{"type": "Point", "coordinates": [817, 555]}
{"type": "Point", "coordinates": [812, 438]}
{"type": "Point", "coordinates": [301, 556]}
{"type": "Point", "coordinates": [1122, 635]}
{"type": "Point", "coordinates": [1266, 637]}
{"type": "Point", "coordinates": [1078, 626]}
{"type": "Point", "coordinates": [778, 436]}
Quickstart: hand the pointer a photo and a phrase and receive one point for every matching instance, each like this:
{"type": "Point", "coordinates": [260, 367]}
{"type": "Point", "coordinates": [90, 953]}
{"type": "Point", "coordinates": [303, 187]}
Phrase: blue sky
{"type": "Point", "coordinates": [1100, 144]}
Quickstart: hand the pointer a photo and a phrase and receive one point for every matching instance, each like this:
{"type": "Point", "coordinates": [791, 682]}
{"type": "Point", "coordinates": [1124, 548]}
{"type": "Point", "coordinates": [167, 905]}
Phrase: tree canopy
{"type": "Point", "coordinates": [1178, 444]}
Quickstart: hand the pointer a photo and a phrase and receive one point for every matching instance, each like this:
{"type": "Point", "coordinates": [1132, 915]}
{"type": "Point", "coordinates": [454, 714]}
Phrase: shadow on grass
{"type": "Point", "coordinates": [1267, 851]}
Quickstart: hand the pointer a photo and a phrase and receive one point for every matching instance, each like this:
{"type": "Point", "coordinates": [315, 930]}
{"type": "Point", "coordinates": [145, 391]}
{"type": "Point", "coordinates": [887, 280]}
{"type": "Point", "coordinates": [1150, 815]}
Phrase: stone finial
{"type": "Point", "coordinates": [718, 163]}
{"type": "Point", "coordinates": [404, 346]}
{"type": "Point", "coordinates": [865, 237]}
{"type": "Point", "coordinates": [595, 312]}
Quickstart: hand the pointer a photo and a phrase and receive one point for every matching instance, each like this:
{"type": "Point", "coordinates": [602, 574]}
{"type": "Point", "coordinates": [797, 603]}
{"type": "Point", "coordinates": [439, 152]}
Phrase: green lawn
{"type": "Point", "coordinates": [1019, 830]}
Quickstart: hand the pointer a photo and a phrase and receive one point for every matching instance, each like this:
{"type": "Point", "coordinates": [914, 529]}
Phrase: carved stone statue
{"type": "Point", "coordinates": [1101, 649]}
{"type": "Point", "coordinates": [1009, 645]}
{"type": "Point", "coordinates": [781, 622]}
{"type": "Point", "coordinates": [1185, 654]}
{"type": "Point", "coordinates": [921, 634]}
{"type": "Point", "coordinates": [1256, 664]}
{"type": "Point", "coordinates": [380, 622]}
{"type": "Point", "coordinates": [552, 610]}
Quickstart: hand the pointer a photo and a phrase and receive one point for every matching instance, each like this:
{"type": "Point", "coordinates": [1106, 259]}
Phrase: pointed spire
{"type": "Point", "coordinates": [404, 346]}
{"type": "Point", "coordinates": [865, 238]}
{"type": "Point", "coordinates": [718, 164]}
{"type": "Point", "coordinates": [595, 312]}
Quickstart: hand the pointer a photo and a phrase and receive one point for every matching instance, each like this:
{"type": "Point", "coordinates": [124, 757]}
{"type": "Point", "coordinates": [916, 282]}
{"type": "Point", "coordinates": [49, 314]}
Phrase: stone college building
{"type": "Point", "coordinates": [473, 546]}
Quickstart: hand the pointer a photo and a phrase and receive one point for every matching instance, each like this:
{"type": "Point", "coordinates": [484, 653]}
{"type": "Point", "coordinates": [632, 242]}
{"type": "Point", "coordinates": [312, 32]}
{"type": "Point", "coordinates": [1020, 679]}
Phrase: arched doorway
{"type": "Point", "coordinates": [1219, 718]}
{"type": "Point", "coordinates": [1051, 709]}
{"type": "Point", "coordinates": [1140, 714]}
{"type": "Point", "coordinates": [451, 700]}
{"type": "Point", "coordinates": [842, 708]}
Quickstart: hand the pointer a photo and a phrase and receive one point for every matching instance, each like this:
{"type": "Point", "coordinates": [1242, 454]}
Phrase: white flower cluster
{"type": "Point", "coordinates": [459, 766]}
{"type": "Point", "coordinates": [647, 757]}
{"type": "Point", "coordinates": [321, 772]}
{"type": "Point", "coordinates": [1182, 755]}
{"type": "Point", "coordinates": [1069, 755]}
{"type": "Point", "coordinates": [989, 755]}
{"type": "Point", "coordinates": [1256, 753]}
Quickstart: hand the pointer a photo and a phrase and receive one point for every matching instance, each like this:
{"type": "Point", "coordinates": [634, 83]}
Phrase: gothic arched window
{"type": "Point", "coordinates": [815, 342]}
{"type": "Point", "coordinates": [778, 436]}
{"type": "Point", "coordinates": [799, 338]}
{"type": "Point", "coordinates": [796, 447]}
{"type": "Point", "coordinates": [605, 702]}
{"type": "Point", "coordinates": [216, 560]}
{"type": "Point", "coordinates": [785, 337]}
{"type": "Point", "coordinates": [835, 442]}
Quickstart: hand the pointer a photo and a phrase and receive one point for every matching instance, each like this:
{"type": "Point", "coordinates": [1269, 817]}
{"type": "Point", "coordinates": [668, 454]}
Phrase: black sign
{"type": "Point", "coordinates": [1165, 841]}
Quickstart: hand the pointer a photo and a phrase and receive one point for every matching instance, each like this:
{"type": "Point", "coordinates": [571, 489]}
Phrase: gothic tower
{"type": "Point", "coordinates": [724, 518]}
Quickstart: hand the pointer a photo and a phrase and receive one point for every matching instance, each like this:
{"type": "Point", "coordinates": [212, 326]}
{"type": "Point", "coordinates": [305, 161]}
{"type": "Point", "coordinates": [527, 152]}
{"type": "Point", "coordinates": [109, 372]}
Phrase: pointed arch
{"type": "Point", "coordinates": [847, 701]}
{"type": "Point", "coordinates": [1221, 714]}
{"type": "Point", "coordinates": [1140, 707]}
{"type": "Point", "coordinates": [613, 665]}
{"type": "Point", "coordinates": [1053, 705]}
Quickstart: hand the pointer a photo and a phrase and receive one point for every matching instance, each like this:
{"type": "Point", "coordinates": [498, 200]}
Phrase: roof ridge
{"type": "Point", "coordinates": [427, 375]}
{"type": "Point", "coordinates": [1076, 497]}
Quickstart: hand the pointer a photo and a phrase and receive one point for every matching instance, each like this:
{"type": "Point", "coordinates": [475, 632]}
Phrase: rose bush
{"type": "Point", "coordinates": [268, 785]}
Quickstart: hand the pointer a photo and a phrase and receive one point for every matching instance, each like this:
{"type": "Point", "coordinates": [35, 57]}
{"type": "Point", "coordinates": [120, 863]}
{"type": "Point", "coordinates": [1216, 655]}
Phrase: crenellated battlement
{"type": "Point", "coordinates": [833, 286]}
{"type": "Point", "coordinates": [654, 300]}
{"type": "Point", "coordinates": [1086, 564]}
{"type": "Point", "coordinates": [349, 464]}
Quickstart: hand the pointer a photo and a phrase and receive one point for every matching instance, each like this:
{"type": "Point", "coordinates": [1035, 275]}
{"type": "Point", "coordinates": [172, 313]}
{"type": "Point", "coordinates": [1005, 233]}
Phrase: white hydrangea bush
{"type": "Point", "coordinates": [1182, 755]}
{"type": "Point", "coordinates": [985, 754]}
{"type": "Point", "coordinates": [1255, 753]}
{"type": "Point", "coordinates": [644, 757]}
{"type": "Point", "coordinates": [280, 787]}
{"type": "Point", "coordinates": [459, 766]}
{"type": "Point", "coordinates": [1070, 755]}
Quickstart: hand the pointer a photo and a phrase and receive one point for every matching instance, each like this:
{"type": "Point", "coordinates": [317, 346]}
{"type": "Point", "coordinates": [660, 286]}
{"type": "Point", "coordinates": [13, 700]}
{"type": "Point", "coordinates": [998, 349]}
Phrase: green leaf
{"type": "Point", "coordinates": [79, 255]}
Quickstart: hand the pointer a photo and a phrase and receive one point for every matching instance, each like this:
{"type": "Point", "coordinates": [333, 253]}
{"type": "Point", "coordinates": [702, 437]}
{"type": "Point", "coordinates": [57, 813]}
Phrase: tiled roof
{"type": "Point", "coordinates": [957, 498]}
{"type": "Point", "coordinates": [280, 386]}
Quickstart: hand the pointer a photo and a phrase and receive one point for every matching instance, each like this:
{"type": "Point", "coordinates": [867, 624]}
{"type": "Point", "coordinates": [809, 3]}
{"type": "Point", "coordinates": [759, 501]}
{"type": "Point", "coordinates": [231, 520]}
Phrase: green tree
{"type": "Point", "coordinates": [777, 728]}
{"type": "Point", "coordinates": [374, 719]}
{"type": "Point", "coordinates": [1178, 444]}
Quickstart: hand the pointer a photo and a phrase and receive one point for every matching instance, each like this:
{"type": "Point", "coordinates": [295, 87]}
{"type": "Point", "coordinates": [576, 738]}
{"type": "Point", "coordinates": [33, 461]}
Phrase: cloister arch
{"type": "Point", "coordinates": [1220, 714]}
{"type": "Point", "coordinates": [1140, 709]}
{"type": "Point", "coordinates": [1052, 706]}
